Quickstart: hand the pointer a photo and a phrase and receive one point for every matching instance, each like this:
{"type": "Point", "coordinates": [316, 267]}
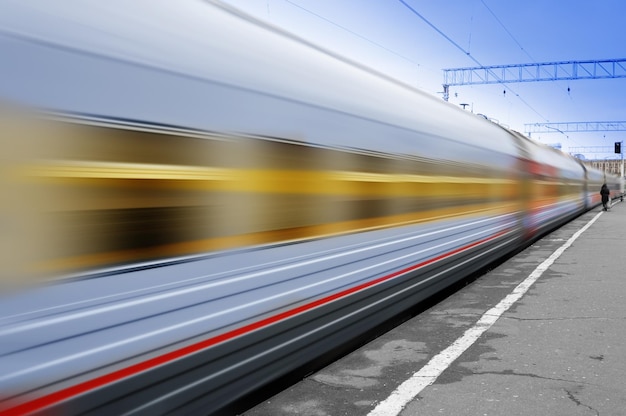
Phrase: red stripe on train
{"type": "Point", "coordinates": [62, 395]}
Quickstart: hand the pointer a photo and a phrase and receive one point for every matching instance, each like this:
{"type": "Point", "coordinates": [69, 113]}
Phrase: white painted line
{"type": "Point", "coordinates": [427, 375]}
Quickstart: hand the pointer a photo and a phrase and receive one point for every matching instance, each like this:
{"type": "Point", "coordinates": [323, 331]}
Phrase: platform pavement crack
{"type": "Point", "coordinates": [571, 318]}
{"type": "Point", "coordinates": [513, 373]}
{"type": "Point", "coordinates": [573, 398]}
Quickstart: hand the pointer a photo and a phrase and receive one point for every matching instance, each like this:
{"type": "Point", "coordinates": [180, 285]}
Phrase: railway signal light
{"type": "Point", "coordinates": [618, 147]}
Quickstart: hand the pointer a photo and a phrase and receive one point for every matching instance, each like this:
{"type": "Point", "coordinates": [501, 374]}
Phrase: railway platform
{"type": "Point", "coordinates": [543, 333]}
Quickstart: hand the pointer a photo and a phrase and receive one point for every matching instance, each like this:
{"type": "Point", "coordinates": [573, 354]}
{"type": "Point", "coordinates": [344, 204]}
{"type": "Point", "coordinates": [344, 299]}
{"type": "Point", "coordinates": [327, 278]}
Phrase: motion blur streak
{"type": "Point", "coordinates": [196, 204]}
{"type": "Point", "coordinates": [100, 195]}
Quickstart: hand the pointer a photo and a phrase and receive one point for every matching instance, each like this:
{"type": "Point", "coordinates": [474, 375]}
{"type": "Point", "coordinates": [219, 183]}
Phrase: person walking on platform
{"type": "Point", "coordinates": [604, 191]}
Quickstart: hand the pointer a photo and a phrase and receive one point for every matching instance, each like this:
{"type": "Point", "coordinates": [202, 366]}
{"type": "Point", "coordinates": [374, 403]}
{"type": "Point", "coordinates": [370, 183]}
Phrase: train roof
{"type": "Point", "coordinates": [209, 42]}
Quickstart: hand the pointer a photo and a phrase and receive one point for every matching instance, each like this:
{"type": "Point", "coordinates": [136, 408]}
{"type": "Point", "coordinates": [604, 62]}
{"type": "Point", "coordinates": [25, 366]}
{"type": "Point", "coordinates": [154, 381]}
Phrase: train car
{"type": "Point", "coordinates": [594, 179]}
{"type": "Point", "coordinates": [199, 203]}
{"type": "Point", "coordinates": [557, 187]}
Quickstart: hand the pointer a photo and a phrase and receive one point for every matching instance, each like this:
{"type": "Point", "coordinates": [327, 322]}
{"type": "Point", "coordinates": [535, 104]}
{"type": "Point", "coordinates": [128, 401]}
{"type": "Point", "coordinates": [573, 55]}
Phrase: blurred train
{"type": "Point", "coordinates": [196, 203]}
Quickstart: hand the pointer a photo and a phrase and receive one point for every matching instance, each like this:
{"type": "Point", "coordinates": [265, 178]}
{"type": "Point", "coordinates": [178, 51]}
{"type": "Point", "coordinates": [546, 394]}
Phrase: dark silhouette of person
{"type": "Point", "coordinates": [604, 192]}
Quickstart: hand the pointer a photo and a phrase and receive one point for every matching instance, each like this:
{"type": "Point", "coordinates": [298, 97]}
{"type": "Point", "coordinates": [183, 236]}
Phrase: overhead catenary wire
{"type": "Point", "coordinates": [353, 32]}
{"type": "Point", "coordinates": [507, 30]}
{"type": "Point", "coordinates": [514, 39]}
{"type": "Point", "coordinates": [469, 55]}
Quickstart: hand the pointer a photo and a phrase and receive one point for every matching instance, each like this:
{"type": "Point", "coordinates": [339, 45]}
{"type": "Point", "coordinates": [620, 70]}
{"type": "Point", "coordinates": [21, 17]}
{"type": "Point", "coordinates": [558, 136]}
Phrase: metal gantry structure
{"type": "Point", "coordinates": [546, 71]}
{"type": "Point", "coordinates": [592, 149]}
{"type": "Point", "coordinates": [584, 126]}
{"type": "Point", "coordinates": [574, 126]}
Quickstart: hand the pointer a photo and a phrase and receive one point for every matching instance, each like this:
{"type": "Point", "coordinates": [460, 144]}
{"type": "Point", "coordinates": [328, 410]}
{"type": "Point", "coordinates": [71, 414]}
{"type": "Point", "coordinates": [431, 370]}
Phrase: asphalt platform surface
{"type": "Point", "coordinates": [560, 349]}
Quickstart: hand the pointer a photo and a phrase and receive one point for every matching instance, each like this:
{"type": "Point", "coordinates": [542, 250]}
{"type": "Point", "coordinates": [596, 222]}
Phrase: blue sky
{"type": "Point", "coordinates": [389, 37]}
